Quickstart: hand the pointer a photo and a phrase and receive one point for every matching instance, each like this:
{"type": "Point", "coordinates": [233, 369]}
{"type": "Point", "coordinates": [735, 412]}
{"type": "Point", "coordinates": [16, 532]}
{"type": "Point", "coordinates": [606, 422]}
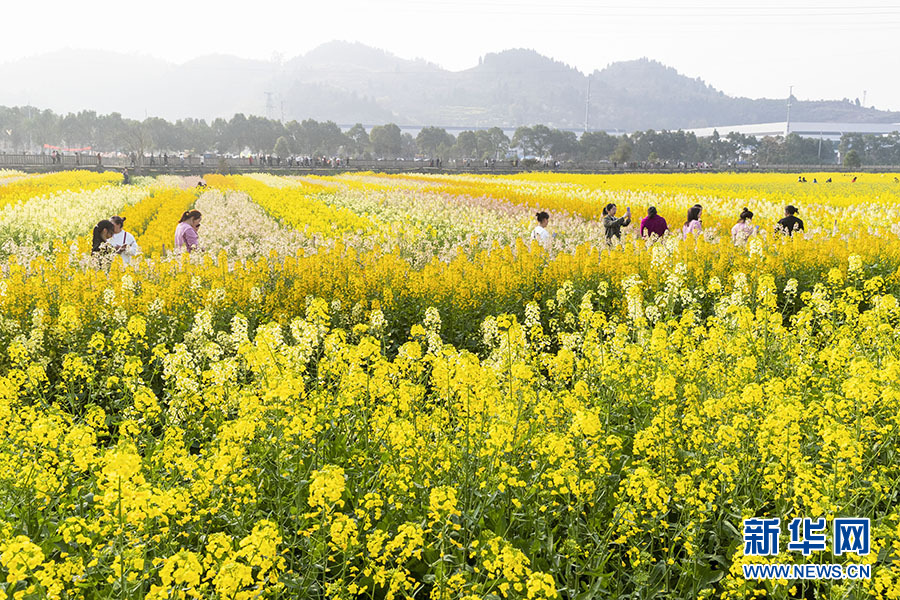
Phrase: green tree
{"type": "Point", "coordinates": [163, 135]}
{"type": "Point", "coordinates": [596, 145]}
{"type": "Point", "coordinates": [263, 132]}
{"type": "Point", "coordinates": [44, 128]}
{"type": "Point", "coordinates": [430, 139]}
{"type": "Point", "coordinates": [358, 140]}
{"type": "Point", "coordinates": [533, 141]}
{"type": "Point", "coordinates": [466, 145]}
{"type": "Point", "coordinates": [499, 143]}
{"type": "Point", "coordinates": [851, 159]}
{"type": "Point", "coordinates": [282, 147]}
{"type": "Point", "coordinates": [407, 145]}
{"type": "Point", "coordinates": [331, 139]}
{"type": "Point", "coordinates": [313, 138]}
{"type": "Point", "coordinates": [771, 151]}
{"type": "Point", "coordinates": [387, 141]}
{"type": "Point", "coordinates": [623, 151]}
{"type": "Point", "coordinates": [239, 132]}
{"type": "Point", "coordinates": [563, 145]}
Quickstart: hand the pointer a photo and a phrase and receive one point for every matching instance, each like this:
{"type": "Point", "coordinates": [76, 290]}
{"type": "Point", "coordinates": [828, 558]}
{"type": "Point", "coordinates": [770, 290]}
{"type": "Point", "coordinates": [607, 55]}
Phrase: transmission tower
{"type": "Point", "coordinates": [270, 105]}
{"type": "Point", "coordinates": [587, 107]}
{"type": "Point", "coordinates": [787, 125]}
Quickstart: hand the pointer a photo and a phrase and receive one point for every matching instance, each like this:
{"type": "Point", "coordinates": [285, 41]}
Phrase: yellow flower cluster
{"type": "Point", "coordinates": [154, 219]}
{"type": "Point", "coordinates": [20, 190]}
{"type": "Point", "coordinates": [296, 205]}
{"type": "Point", "coordinates": [326, 487]}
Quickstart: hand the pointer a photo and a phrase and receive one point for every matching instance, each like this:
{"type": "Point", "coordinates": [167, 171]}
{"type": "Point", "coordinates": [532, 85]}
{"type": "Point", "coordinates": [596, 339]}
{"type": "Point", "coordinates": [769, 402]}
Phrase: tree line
{"type": "Point", "coordinates": [27, 128]}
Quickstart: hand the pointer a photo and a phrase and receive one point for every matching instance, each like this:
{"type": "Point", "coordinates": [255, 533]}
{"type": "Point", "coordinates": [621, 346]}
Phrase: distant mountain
{"type": "Point", "coordinates": [351, 82]}
{"type": "Point", "coordinates": [642, 94]}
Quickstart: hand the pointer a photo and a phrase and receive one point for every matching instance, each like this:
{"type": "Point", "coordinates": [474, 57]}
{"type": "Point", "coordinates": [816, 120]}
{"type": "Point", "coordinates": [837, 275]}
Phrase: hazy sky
{"type": "Point", "coordinates": [825, 49]}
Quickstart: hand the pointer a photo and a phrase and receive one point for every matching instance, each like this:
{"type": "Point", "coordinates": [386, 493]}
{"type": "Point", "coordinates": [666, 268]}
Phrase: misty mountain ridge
{"type": "Point", "coordinates": [351, 82]}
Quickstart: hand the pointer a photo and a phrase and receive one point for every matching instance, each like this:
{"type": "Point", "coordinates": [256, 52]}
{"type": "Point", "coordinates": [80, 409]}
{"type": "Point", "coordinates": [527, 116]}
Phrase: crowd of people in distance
{"type": "Point", "coordinates": [654, 225]}
{"type": "Point", "coordinates": [111, 239]}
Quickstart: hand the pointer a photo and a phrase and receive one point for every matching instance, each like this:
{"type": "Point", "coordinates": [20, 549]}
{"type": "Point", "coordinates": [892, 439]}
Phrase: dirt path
{"type": "Point", "coordinates": [190, 181]}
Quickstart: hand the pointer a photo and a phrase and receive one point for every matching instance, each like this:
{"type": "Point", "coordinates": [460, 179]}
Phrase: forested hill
{"type": "Point", "coordinates": [349, 83]}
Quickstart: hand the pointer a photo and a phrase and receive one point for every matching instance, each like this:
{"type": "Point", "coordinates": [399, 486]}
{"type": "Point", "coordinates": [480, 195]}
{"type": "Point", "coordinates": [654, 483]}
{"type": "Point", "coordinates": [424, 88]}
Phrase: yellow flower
{"type": "Point", "coordinates": [326, 487]}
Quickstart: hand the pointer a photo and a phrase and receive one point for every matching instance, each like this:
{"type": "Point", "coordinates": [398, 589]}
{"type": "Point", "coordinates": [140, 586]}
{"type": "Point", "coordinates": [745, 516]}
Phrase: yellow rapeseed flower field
{"type": "Point", "coordinates": [408, 397]}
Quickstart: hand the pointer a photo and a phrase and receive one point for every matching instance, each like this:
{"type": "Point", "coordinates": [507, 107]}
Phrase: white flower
{"type": "Point", "coordinates": [755, 246]}
{"type": "Point", "coordinates": [532, 314]}
{"type": "Point", "coordinates": [377, 321]}
{"type": "Point", "coordinates": [855, 266]}
{"type": "Point", "coordinates": [489, 331]}
{"type": "Point", "coordinates": [239, 328]}
{"type": "Point", "coordinates": [432, 319]}
{"type": "Point", "coordinates": [215, 296]}
{"type": "Point", "coordinates": [156, 307]}
{"type": "Point", "coordinates": [564, 292]}
{"type": "Point", "coordinates": [790, 288]}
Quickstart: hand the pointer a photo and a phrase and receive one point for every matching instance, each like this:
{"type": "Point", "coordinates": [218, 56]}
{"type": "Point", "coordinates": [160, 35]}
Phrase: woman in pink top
{"type": "Point", "coordinates": [693, 224]}
{"type": "Point", "coordinates": [186, 237]}
{"type": "Point", "coordinates": [742, 230]}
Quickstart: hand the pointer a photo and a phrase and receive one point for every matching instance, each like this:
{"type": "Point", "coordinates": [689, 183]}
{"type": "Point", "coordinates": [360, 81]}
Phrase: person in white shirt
{"type": "Point", "coordinates": [124, 242]}
{"type": "Point", "coordinates": [540, 232]}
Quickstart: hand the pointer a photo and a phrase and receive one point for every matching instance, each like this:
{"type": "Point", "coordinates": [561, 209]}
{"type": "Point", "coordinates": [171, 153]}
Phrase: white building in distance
{"type": "Point", "coordinates": [825, 131]}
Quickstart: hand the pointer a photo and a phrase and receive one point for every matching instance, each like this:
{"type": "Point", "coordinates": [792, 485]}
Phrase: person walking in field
{"type": "Point", "coordinates": [186, 238]}
{"type": "Point", "coordinates": [653, 224]}
{"type": "Point", "coordinates": [693, 224]}
{"type": "Point", "coordinates": [124, 242]}
{"type": "Point", "coordinates": [742, 230]}
{"type": "Point", "coordinates": [540, 232]}
{"type": "Point", "coordinates": [790, 223]}
{"type": "Point", "coordinates": [613, 226]}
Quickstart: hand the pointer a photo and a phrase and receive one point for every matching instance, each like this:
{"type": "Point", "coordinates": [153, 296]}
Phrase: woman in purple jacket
{"type": "Point", "coordinates": [186, 237]}
{"type": "Point", "coordinates": [653, 224]}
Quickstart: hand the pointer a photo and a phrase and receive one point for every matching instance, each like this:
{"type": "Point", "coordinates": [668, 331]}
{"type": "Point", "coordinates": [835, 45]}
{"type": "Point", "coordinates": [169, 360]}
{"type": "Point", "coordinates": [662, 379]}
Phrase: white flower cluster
{"type": "Point", "coordinates": [377, 322]}
{"type": "Point", "coordinates": [432, 320]}
{"type": "Point", "coordinates": [790, 288]}
{"type": "Point", "coordinates": [127, 283]}
{"type": "Point", "coordinates": [855, 266]}
{"type": "Point", "coordinates": [65, 215]}
{"type": "Point", "coordinates": [181, 373]}
{"type": "Point", "coordinates": [564, 293]}
{"type": "Point", "coordinates": [234, 223]}
{"type": "Point", "coordinates": [490, 333]}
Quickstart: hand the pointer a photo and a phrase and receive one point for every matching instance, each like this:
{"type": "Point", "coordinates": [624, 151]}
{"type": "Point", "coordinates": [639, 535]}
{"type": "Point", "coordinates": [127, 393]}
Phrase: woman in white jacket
{"type": "Point", "coordinates": [124, 242]}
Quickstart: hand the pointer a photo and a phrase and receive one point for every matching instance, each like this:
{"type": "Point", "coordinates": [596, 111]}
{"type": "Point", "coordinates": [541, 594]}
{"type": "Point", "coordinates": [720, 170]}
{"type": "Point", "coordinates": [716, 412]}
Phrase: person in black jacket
{"type": "Point", "coordinates": [613, 226]}
{"type": "Point", "coordinates": [790, 223]}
